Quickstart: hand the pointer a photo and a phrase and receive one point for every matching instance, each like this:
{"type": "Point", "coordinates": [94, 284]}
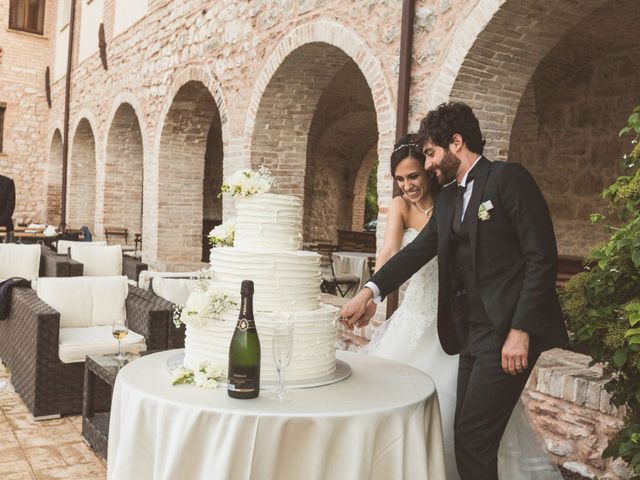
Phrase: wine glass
{"type": "Point", "coordinates": [119, 330]}
{"type": "Point", "coordinates": [282, 346]}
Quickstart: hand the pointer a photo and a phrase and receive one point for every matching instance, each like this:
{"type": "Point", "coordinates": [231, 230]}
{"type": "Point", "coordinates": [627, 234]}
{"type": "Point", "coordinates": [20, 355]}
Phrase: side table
{"type": "Point", "coordinates": [95, 424]}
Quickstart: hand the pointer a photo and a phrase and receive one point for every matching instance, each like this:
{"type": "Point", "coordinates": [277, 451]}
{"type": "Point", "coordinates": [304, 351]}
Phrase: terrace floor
{"type": "Point", "coordinates": [45, 450]}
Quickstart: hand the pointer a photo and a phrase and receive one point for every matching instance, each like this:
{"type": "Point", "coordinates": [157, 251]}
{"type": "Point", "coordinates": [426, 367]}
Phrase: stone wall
{"type": "Point", "coordinates": [569, 407]}
{"type": "Point", "coordinates": [27, 131]}
{"type": "Point", "coordinates": [309, 88]}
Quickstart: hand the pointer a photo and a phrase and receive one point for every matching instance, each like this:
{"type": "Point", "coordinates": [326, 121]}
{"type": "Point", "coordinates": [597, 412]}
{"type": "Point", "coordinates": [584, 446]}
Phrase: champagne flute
{"type": "Point", "coordinates": [119, 330]}
{"type": "Point", "coordinates": [282, 346]}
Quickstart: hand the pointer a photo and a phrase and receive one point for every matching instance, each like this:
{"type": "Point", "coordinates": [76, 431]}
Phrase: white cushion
{"type": "Point", "coordinates": [85, 301]}
{"type": "Point", "coordinates": [76, 343]}
{"type": "Point", "coordinates": [176, 290]}
{"type": "Point", "coordinates": [62, 246]}
{"type": "Point", "coordinates": [19, 260]}
{"type": "Point", "coordinates": [98, 260]}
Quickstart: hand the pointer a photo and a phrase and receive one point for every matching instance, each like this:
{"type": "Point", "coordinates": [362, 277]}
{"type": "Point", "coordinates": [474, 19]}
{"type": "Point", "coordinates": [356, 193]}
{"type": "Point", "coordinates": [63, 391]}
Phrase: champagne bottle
{"type": "Point", "coordinates": [244, 351]}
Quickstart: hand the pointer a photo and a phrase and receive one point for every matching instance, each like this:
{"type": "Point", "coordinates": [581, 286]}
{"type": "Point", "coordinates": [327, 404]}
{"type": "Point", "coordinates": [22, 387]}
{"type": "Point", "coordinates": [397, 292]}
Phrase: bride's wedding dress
{"type": "Point", "coordinates": [410, 336]}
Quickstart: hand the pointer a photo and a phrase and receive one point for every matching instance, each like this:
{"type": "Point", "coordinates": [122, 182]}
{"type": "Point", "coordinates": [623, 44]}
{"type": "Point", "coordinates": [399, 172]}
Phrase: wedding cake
{"type": "Point", "coordinates": [266, 249]}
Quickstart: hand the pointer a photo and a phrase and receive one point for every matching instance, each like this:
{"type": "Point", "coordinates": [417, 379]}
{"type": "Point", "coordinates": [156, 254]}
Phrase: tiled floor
{"type": "Point", "coordinates": [45, 450]}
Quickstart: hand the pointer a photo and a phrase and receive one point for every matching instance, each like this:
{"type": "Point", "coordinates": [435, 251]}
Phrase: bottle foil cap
{"type": "Point", "coordinates": [246, 287]}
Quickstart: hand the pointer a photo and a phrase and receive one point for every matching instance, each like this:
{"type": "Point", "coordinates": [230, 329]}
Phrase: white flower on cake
{"type": "Point", "coordinates": [223, 235]}
{"type": "Point", "coordinates": [203, 306]}
{"type": "Point", "coordinates": [245, 183]}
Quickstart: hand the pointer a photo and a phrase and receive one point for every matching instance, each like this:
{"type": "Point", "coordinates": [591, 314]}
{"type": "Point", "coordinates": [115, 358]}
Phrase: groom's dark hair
{"type": "Point", "coordinates": [447, 119]}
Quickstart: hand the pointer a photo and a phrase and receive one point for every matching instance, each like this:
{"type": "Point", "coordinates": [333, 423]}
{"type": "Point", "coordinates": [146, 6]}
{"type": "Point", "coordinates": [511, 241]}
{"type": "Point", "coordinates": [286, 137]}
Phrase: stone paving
{"type": "Point", "coordinates": [45, 450]}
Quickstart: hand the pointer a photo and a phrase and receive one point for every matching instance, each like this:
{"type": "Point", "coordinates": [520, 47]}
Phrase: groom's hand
{"type": "Point", "coordinates": [515, 352]}
{"type": "Point", "coordinates": [358, 310]}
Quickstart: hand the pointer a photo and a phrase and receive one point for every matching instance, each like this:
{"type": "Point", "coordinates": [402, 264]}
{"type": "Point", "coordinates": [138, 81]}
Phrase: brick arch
{"type": "Point", "coordinates": [136, 104]}
{"type": "Point", "coordinates": [81, 191]}
{"type": "Point", "coordinates": [194, 74]}
{"type": "Point", "coordinates": [493, 55]}
{"type": "Point", "coordinates": [190, 157]}
{"type": "Point", "coordinates": [53, 180]}
{"type": "Point", "coordinates": [123, 171]}
{"type": "Point", "coordinates": [339, 36]}
{"type": "Point", "coordinates": [289, 88]}
{"type": "Point", "coordinates": [566, 127]}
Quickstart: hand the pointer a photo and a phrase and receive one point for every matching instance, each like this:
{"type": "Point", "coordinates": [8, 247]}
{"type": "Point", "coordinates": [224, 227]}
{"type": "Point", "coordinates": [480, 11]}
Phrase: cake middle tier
{"type": "Point", "coordinates": [284, 281]}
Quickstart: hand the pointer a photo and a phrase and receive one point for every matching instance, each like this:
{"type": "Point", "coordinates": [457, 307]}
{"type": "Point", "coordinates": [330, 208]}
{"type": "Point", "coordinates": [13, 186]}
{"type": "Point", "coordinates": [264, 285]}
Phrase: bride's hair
{"type": "Point", "coordinates": [411, 146]}
{"type": "Point", "coordinates": [407, 146]}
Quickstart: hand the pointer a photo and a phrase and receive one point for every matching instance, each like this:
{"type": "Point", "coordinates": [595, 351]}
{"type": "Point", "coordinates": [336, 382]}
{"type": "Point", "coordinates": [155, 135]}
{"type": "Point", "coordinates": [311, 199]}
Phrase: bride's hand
{"type": "Point", "coordinates": [358, 310]}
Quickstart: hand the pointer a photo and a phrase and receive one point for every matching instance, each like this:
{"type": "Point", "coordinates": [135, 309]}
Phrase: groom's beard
{"type": "Point", "coordinates": [448, 168]}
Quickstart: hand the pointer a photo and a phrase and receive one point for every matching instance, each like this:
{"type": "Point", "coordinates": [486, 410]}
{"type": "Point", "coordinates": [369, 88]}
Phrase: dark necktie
{"type": "Point", "coordinates": [459, 204]}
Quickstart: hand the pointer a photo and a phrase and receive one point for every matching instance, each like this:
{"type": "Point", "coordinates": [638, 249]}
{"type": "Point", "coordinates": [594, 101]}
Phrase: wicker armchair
{"type": "Point", "coordinates": [30, 339]}
{"type": "Point", "coordinates": [131, 267]}
{"type": "Point", "coordinates": [55, 265]}
{"type": "Point", "coordinates": [62, 265]}
{"type": "Point", "coordinates": [174, 288]}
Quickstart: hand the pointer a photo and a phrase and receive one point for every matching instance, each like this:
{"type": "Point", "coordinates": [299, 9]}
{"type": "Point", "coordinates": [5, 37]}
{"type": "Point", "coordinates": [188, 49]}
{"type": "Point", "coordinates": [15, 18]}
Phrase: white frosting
{"type": "Point", "coordinates": [286, 288]}
{"type": "Point", "coordinates": [313, 345]}
{"type": "Point", "coordinates": [269, 223]}
{"type": "Point", "coordinates": [284, 281]}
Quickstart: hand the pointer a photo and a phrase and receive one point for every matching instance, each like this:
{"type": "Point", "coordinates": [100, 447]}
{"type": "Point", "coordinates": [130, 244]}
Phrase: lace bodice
{"type": "Point", "coordinates": [417, 313]}
{"type": "Point", "coordinates": [419, 305]}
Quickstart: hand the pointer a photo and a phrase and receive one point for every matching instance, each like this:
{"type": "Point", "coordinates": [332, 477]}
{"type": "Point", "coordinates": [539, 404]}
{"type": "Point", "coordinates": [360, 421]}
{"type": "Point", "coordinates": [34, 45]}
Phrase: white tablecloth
{"type": "Point", "coordinates": [356, 263]}
{"type": "Point", "coordinates": [382, 423]}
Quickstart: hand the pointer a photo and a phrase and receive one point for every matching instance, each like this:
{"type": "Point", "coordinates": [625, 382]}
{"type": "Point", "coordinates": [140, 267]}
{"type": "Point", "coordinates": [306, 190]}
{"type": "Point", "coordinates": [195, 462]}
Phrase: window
{"type": "Point", "coordinates": [65, 18]}
{"type": "Point", "coordinates": [3, 107]}
{"type": "Point", "coordinates": [27, 15]}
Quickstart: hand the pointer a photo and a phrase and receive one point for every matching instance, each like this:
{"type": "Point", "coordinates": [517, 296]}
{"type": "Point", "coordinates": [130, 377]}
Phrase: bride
{"type": "Point", "coordinates": [410, 334]}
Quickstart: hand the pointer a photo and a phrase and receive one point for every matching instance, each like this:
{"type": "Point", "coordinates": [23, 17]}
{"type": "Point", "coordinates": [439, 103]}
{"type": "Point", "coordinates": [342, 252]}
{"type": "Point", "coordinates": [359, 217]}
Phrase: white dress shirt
{"type": "Point", "coordinates": [465, 202]}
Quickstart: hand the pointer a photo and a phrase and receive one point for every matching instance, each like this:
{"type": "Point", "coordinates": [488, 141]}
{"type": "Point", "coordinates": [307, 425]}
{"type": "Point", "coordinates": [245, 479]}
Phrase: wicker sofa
{"type": "Point", "coordinates": [30, 337]}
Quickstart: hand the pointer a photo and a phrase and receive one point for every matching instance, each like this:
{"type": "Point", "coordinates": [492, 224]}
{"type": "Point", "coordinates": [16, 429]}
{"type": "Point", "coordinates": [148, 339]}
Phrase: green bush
{"type": "Point", "coordinates": [371, 198]}
{"type": "Point", "coordinates": [602, 305]}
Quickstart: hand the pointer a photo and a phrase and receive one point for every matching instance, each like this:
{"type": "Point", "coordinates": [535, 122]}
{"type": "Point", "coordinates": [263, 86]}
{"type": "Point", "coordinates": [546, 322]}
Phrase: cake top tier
{"type": "Point", "coordinates": [269, 223]}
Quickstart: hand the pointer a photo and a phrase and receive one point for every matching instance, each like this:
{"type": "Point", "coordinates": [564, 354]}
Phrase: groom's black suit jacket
{"type": "Point", "coordinates": [514, 257]}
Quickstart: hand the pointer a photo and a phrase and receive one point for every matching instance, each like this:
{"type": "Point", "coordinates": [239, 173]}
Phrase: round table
{"type": "Point", "coordinates": [381, 423]}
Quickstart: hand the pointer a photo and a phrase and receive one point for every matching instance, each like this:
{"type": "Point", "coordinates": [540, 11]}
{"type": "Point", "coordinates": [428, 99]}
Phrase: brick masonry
{"type": "Point", "coordinates": [315, 56]}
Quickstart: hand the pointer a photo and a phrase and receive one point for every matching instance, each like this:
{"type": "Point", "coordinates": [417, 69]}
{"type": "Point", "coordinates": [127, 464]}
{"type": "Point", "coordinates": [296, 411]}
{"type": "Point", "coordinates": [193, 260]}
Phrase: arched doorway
{"type": "Point", "coordinates": [124, 173]}
{"type": "Point", "coordinates": [566, 127]}
{"type": "Point", "coordinates": [54, 180]}
{"type": "Point", "coordinates": [314, 126]}
{"type": "Point", "coordinates": [190, 174]}
{"type": "Point", "coordinates": [524, 63]}
{"type": "Point", "coordinates": [81, 195]}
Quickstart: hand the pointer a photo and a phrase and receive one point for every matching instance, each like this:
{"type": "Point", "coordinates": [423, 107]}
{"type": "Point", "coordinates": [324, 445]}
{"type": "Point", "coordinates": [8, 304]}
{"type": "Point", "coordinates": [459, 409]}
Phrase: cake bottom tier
{"type": "Point", "coordinates": [314, 342]}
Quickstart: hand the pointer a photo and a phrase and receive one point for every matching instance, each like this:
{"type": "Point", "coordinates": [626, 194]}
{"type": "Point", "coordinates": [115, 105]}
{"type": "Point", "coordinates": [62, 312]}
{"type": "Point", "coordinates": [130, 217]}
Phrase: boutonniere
{"type": "Point", "coordinates": [483, 210]}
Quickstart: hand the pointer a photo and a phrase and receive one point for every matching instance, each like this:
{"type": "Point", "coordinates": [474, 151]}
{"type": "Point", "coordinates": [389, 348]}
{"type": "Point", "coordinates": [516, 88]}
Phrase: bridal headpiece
{"type": "Point", "coordinates": [400, 147]}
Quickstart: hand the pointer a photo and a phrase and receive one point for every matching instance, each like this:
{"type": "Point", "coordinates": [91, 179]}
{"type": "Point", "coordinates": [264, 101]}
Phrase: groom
{"type": "Point", "coordinates": [497, 262]}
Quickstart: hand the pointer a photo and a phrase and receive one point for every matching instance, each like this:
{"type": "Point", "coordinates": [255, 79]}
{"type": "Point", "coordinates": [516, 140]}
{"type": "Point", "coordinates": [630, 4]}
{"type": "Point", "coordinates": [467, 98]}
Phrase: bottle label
{"type": "Point", "coordinates": [243, 380]}
{"type": "Point", "coordinates": [243, 325]}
